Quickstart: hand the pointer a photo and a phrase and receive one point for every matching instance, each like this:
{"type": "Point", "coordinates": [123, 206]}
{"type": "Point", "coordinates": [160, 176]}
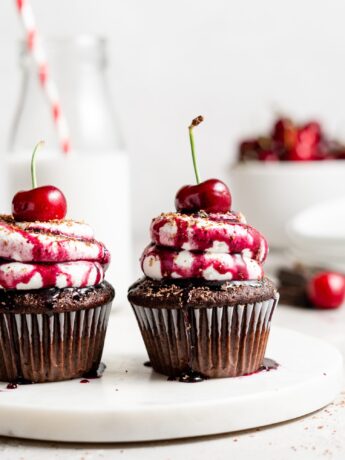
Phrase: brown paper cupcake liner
{"type": "Point", "coordinates": [50, 347]}
{"type": "Point", "coordinates": [226, 341]}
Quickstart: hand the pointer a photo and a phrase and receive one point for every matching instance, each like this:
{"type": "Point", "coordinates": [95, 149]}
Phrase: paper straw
{"type": "Point", "coordinates": [36, 49]}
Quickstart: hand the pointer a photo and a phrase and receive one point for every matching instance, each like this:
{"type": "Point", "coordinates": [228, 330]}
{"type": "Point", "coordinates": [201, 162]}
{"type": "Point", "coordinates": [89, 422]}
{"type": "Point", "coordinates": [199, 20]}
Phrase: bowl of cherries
{"type": "Point", "coordinates": [280, 174]}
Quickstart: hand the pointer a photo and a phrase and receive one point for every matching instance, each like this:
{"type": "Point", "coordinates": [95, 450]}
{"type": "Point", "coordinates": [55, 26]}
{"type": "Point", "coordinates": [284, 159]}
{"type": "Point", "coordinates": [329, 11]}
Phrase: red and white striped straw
{"type": "Point", "coordinates": [36, 49]}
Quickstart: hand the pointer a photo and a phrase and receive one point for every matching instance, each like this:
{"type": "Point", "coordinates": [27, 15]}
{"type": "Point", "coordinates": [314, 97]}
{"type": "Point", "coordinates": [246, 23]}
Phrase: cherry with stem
{"type": "Point", "coordinates": [211, 195]}
{"type": "Point", "coordinates": [40, 203]}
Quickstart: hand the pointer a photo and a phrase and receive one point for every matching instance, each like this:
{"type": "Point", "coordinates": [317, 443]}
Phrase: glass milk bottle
{"type": "Point", "coordinates": [95, 175]}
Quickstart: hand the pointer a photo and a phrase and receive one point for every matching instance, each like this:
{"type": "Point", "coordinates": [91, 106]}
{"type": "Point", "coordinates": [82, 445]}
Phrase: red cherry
{"type": "Point", "coordinates": [340, 155]}
{"type": "Point", "coordinates": [42, 203]}
{"type": "Point", "coordinates": [326, 290]}
{"type": "Point", "coordinates": [268, 155]}
{"type": "Point", "coordinates": [285, 132]}
{"type": "Point", "coordinates": [210, 196]}
{"type": "Point", "coordinates": [324, 151]}
{"type": "Point", "coordinates": [333, 150]}
{"type": "Point", "coordinates": [249, 150]}
{"type": "Point", "coordinates": [39, 203]}
{"type": "Point", "coordinates": [313, 130]}
{"type": "Point", "coordinates": [306, 147]}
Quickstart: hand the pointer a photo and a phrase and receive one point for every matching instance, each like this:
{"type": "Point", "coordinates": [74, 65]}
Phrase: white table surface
{"type": "Point", "coordinates": [317, 436]}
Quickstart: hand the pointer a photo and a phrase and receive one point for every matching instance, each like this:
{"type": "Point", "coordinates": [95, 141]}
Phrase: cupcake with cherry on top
{"type": "Point", "coordinates": [204, 306]}
{"type": "Point", "coordinates": [54, 301]}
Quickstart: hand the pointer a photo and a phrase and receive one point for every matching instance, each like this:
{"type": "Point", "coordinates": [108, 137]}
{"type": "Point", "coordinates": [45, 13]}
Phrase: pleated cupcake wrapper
{"type": "Point", "coordinates": [217, 342]}
{"type": "Point", "coordinates": [51, 347]}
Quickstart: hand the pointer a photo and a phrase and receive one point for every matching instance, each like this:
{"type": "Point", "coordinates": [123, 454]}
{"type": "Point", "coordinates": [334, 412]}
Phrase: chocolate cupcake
{"type": "Point", "coordinates": [204, 305]}
{"type": "Point", "coordinates": [54, 302]}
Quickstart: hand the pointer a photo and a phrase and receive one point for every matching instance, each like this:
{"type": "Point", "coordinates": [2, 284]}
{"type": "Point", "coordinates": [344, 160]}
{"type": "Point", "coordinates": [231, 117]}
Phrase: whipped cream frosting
{"type": "Point", "coordinates": [204, 234]}
{"type": "Point", "coordinates": [215, 247]}
{"type": "Point", "coordinates": [36, 255]}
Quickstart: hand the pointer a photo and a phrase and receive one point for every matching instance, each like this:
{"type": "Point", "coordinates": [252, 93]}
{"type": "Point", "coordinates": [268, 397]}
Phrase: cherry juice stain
{"type": "Point", "coordinates": [14, 385]}
{"type": "Point", "coordinates": [195, 377]}
{"type": "Point", "coordinates": [191, 377]}
{"type": "Point", "coordinates": [11, 386]}
{"type": "Point", "coordinates": [84, 381]}
{"type": "Point", "coordinates": [188, 377]}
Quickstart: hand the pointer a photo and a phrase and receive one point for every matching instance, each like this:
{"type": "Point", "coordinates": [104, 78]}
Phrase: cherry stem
{"type": "Point", "coordinates": [33, 164]}
{"type": "Point", "coordinates": [194, 123]}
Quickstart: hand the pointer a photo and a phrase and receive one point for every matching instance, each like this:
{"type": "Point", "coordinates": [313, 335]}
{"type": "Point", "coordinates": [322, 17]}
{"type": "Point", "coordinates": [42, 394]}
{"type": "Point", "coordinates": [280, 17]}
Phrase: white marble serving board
{"type": "Point", "coordinates": [133, 403]}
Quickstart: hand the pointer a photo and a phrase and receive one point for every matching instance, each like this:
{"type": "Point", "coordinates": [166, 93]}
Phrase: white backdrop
{"type": "Point", "coordinates": [235, 62]}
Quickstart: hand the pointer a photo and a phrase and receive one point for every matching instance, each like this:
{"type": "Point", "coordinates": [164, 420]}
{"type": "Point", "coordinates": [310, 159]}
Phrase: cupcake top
{"type": "Point", "coordinates": [56, 253]}
{"type": "Point", "coordinates": [211, 246]}
{"type": "Point", "coordinates": [204, 239]}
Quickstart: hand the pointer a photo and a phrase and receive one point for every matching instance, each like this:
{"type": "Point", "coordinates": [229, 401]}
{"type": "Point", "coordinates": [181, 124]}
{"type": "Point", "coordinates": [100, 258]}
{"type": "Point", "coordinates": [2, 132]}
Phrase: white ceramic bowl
{"type": "Point", "coordinates": [317, 235]}
{"type": "Point", "coordinates": [270, 194]}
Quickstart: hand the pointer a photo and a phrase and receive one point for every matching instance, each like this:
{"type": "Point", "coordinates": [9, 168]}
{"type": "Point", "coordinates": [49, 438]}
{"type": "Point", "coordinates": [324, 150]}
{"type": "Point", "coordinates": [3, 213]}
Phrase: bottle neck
{"type": "Point", "coordinates": [78, 67]}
